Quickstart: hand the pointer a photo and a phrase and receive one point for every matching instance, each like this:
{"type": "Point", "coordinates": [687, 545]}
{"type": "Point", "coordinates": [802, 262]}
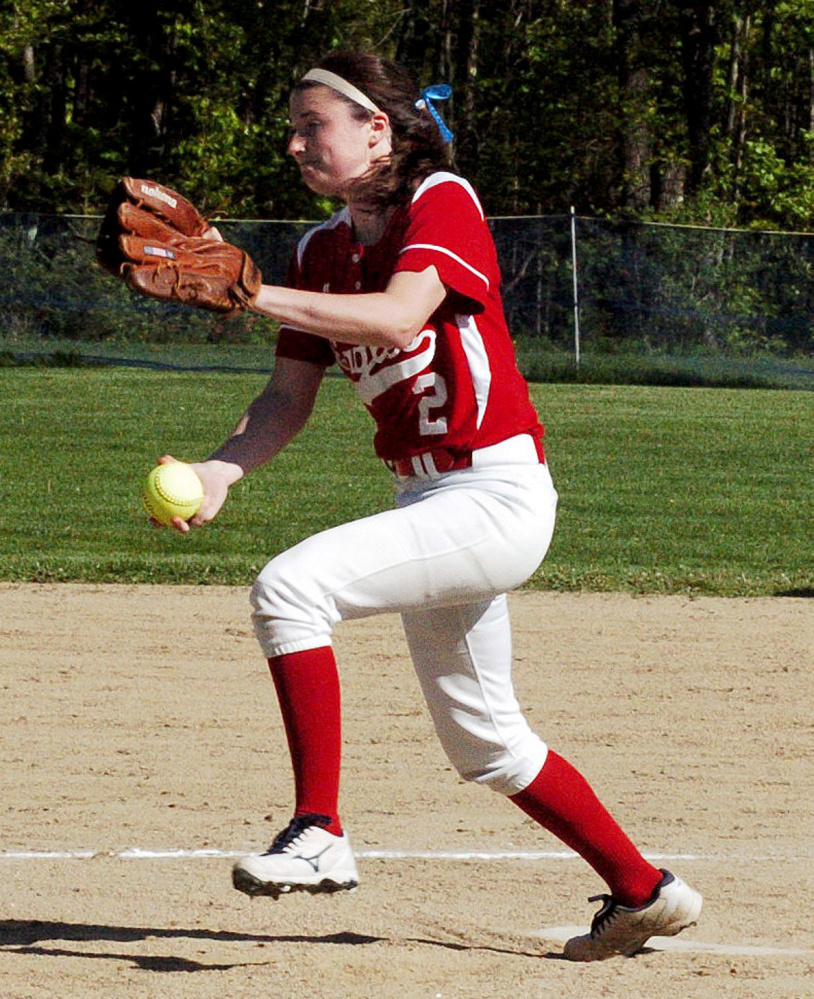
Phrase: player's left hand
{"type": "Point", "coordinates": [161, 245]}
{"type": "Point", "coordinates": [205, 272]}
{"type": "Point", "coordinates": [148, 209]}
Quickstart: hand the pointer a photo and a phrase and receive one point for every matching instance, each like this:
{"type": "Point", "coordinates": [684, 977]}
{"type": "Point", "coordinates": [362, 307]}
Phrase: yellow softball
{"type": "Point", "coordinates": [172, 490]}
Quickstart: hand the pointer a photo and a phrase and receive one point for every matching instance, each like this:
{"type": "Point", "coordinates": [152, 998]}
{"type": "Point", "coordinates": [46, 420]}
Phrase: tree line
{"type": "Point", "coordinates": [673, 110]}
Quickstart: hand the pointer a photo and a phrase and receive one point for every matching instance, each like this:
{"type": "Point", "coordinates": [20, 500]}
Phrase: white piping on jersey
{"type": "Point", "coordinates": [370, 386]}
{"type": "Point", "coordinates": [449, 253]}
{"type": "Point", "coordinates": [444, 177]}
{"type": "Point", "coordinates": [342, 217]}
{"type": "Point", "coordinates": [478, 361]}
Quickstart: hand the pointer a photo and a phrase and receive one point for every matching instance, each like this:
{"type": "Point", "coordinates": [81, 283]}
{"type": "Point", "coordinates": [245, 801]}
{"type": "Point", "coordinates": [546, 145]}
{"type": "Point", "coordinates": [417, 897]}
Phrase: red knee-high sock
{"type": "Point", "coordinates": [307, 685]}
{"type": "Point", "coordinates": [562, 801]}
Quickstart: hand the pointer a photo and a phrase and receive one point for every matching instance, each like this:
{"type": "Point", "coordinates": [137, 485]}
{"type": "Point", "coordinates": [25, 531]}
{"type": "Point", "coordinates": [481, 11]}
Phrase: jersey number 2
{"type": "Point", "coordinates": [433, 391]}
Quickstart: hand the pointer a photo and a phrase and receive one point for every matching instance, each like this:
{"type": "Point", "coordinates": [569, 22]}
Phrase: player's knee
{"type": "Point", "coordinates": [503, 770]}
{"type": "Point", "coordinates": [288, 614]}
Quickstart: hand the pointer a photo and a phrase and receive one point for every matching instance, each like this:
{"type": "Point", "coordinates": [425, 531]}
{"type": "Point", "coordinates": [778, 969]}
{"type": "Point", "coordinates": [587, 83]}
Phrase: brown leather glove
{"type": "Point", "coordinates": [145, 208]}
{"type": "Point", "coordinates": [209, 274]}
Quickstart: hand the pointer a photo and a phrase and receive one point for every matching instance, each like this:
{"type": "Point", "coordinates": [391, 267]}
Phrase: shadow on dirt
{"type": "Point", "coordinates": [32, 936]}
{"type": "Point", "coordinates": [27, 936]}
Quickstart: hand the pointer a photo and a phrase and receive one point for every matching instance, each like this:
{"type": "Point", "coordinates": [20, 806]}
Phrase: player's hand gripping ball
{"type": "Point", "coordinates": [172, 490]}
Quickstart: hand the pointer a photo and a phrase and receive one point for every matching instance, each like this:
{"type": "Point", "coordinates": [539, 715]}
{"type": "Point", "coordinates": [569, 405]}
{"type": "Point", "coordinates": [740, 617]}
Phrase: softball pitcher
{"type": "Point", "coordinates": [401, 290]}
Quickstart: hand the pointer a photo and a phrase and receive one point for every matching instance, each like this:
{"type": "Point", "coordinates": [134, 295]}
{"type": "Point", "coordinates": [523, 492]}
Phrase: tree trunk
{"type": "Point", "coordinates": [55, 118]}
{"type": "Point", "coordinates": [738, 88]}
{"type": "Point", "coordinates": [417, 37]}
{"type": "Point", "coordinates": [466, 73]}
{"type": "Point", "coordinates": [635, 139]}
{"type": "Point", "coordinates": [811, 92]}
{"type": "Point", "coordinates": [698, 32]}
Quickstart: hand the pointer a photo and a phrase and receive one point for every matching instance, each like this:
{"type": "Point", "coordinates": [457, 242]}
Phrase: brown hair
{"type": "Point", "coordinates": [418, 149]}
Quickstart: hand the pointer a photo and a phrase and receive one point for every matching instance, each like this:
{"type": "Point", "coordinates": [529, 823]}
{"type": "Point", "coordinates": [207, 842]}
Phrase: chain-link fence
{"type": "Point", "coordinates": [53, 290]}
{"type": "Point", "coordinates": [574, 284]}
{"type": "Point", "coordinates": [669, 288]}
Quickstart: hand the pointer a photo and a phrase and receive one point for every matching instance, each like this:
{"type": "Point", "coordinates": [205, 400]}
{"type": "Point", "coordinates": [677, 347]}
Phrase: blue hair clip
{"type": "Point", "coordinates": [437, 92]}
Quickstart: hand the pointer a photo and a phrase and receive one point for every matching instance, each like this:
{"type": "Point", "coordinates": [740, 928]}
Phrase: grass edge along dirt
{"type": "Point", "coordinates": [662, 489]}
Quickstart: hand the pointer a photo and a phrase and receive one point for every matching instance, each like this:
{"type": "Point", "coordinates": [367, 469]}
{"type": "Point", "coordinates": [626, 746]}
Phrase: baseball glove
{"type": "Point", "coordinates": [206, 273]}
{"type": "Point", "coordinates": [148, 209]}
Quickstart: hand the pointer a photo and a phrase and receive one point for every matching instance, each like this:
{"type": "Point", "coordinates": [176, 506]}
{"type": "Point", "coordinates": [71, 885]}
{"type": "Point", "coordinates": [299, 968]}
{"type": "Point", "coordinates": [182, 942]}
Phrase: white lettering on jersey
{"type": "Point", "coordinates": [432, 388]}
{"type": "Point", "coordinates": [372, 369]}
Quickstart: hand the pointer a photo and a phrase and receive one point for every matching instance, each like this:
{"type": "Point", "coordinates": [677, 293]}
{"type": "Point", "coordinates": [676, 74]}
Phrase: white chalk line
{"type": "Point", "coordinates": [554, 933]}
{"type": "Point", "coordinates": [207, 853]}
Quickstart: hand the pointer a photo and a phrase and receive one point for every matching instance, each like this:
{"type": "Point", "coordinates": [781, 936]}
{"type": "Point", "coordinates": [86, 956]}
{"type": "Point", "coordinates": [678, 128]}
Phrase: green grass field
{"type": "Point", "coordinates": [667, 490]}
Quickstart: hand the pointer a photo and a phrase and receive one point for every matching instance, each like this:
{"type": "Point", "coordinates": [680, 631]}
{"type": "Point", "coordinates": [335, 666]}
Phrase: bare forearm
{"type": "Point", "coordinates": [392, 318]}
{"type": "Point", "coordinates": [363, 319]}
{"type": "Point", "coordinates": [257, 438]}
{"type": "Point", "coordinates": [274, 418]}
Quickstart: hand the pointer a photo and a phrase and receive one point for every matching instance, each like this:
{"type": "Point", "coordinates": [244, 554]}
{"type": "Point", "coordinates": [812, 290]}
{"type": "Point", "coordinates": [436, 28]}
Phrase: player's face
{"type": "Point", "coordinates": [332, 148]}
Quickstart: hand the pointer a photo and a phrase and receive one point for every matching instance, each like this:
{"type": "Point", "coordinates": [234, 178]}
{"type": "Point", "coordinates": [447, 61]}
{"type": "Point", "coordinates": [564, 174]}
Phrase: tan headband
{"type": "Point", "coordinates": [342, 86]}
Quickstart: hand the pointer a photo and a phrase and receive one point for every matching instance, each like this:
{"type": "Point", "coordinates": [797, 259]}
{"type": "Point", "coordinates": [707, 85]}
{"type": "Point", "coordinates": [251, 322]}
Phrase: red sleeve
{"type": "Point", "coordinates": [297, 345]}
{"type": "Point", "coordinates": [447, 229]}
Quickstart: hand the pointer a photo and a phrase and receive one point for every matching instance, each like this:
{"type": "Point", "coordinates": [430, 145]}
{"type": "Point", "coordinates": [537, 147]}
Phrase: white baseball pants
{"type": "Point", "coordinates": [443, 559]}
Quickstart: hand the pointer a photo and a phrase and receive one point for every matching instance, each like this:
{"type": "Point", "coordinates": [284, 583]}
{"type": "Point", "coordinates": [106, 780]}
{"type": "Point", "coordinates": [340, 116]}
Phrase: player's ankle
{"type": "Point", "coordinates": [329, 821]}
{"type": "Point", "coordinates": [636, 892]}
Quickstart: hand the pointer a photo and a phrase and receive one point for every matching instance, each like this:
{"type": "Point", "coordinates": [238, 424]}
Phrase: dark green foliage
{"type": "Point", "coordinates": [689, 112]}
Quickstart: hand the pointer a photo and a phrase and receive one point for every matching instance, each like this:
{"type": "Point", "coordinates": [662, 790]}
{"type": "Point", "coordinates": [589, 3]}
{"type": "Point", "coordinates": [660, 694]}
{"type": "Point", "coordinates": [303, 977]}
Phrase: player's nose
{"type": "Point", "coordinates": [296, 145]}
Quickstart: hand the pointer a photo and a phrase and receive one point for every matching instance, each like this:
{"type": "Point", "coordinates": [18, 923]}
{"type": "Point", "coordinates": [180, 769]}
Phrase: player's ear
{"type": "Point", "coordinates": [379, 128]}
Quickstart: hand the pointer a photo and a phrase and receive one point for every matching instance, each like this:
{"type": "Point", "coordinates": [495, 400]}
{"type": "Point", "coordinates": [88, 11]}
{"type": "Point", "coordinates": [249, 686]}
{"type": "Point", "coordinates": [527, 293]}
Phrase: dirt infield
{"type": "Point", "coordinates": [138, 721]}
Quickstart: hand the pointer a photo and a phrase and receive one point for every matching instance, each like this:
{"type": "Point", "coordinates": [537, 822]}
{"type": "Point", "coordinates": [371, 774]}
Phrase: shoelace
{"type": "Point", "coordinates": [610, 907]}
{"type": "Point", "coordinates": [295, 828]}
{"type": "Point", "coordinates": [605, 916]}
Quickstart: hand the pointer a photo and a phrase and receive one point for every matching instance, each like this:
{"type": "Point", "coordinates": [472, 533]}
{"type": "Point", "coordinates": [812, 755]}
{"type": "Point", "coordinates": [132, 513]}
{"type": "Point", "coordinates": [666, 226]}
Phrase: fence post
{"type": "Point", "coordinates": [575, 283]}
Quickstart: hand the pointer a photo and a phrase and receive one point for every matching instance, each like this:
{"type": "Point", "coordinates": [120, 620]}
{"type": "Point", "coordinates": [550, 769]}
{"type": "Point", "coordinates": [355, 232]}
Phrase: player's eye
{"type": "Point", "coordinates": [309, 125]}
{"type": "Point", "coordinates": [299, 132]}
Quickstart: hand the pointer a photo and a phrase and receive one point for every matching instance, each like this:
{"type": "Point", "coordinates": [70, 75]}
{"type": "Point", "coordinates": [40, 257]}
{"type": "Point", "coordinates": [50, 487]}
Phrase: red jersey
{"type": "Point", "coordinates": [456, 386]}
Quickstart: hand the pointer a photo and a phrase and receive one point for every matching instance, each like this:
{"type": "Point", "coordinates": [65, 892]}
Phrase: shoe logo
{"type": "Point", "coordinates": [313, 861]}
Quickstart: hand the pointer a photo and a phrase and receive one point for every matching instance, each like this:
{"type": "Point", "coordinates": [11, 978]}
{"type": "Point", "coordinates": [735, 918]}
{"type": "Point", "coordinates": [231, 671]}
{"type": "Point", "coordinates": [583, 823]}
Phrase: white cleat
{"type": "Point", "coordinates": [303, 857]}
{"type": "Point", "coordinates": [617, 929]}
